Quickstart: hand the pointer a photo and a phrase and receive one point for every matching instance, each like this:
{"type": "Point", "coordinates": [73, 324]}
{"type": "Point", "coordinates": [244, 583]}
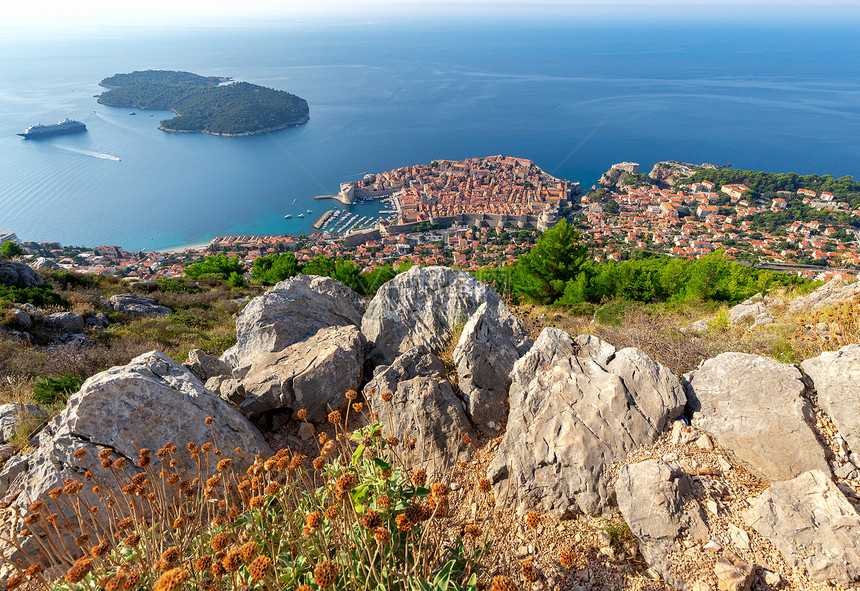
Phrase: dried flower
{"type": "Point", "coordinates": [224, 464]}
{"type": "Point", "coordinates": [257, 502]}
{"type": "Point", "coordinates": [403, 523]}
{"type": "Point", "coordinates": [381, 535]}
{"type": "Point", "coordinates": [319, 462]}
{"type": "Point", "coordinates": [528, 571]}
{"type": "Point", "coordinates": [100, 549]}
{"type": "Point", "coordinates": [332, 512]}
{"type": "Point", "coordinates": [466, 439]}
{"type": "Point", "coordinates": [219, 541]}
{"type": "Point", "coordinates": [119, 462]}
{"type": "Point", "coordinates": [178, 523]}
{"type": "Point", "coordinates": [203, 563]}
{"type": "Point", "coordinates": [533, 519]}
{"type": "Point", "coordinates": [14, 581]}
{"type": "Point", "coordinates": [34, 570]}
{"type": "Point", "coordinates": [170, 555]}
{"type": "Point", "coordinates": [272, 488]}
{"type": "Point", "coordinates": [79, 453]}
{"type": "Point", "coordinates": [208, 420]}
{"type": "Point", "coordinates": [232, 561]}
{"type": "Point", "coordinates": [325, 574]}
{"type": "Point", "coordinates": [259, 567]}
{"type": "Point", "coordinates": [440, 489]}
{"type": "Point", "coordinates": [567, 558]}
{"type": "Point", "coordinates": [334, 417]}
{"type": "Point", "coordinates": [358, 407]}
{"type": "Point", "coordinates": [79, 570]}
{"type": "Point", "coordinates": [139, 479]}
{"type": "Point", "coordinates": [502, 583]}
{"type": "Point", "coordinates": [387, 396]}
{"type": "Point", "coordinates": [301, 413]}
{"type": "Point", "coordinates": [420, 477]}
{"type": "Point", "coordinates": [351, 395]}
{"type": "Point", "coordinates": [346, 482]}
{"type": "Point", "coordinates": [313, 520]}
{"type": "Point", "coordinates": [132, 540]}
{"type": "Point", "coordinates": [371, 519]}
{"type": "Point", "coordinates": [171, 580]}
{"type": "Point", "coordinates": [247, 551]}
{"type": "Point", "coordinates": [383, 502]}
{"type": "Point", "coordinates": [485, 486]}
{"type": "Point", "coordinates": [473, 531]}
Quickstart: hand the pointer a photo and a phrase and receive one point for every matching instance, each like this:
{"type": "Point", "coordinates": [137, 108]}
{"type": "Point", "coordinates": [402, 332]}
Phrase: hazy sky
{"type": "Point", "coordinates": [36, 13]}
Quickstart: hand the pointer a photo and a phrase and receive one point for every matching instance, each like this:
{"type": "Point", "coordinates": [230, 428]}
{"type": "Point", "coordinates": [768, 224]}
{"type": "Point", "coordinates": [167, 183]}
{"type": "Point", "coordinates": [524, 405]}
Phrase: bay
{"type": "Point", "coordinates": [572, 95]}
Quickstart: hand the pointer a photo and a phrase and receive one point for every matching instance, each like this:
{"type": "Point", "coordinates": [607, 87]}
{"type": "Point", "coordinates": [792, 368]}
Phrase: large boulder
{"type": "Point", "coordinates": [751, 311]}
{"type": "Point", "coordinates": [19, 274]}
{"type": "Point", "coordinates": [655, 500]}
{"type": "Point", "coordinates": [836, 377]}
{"type": "Point", "coordinates": [149, 402]}
{"type": "Point", "coordinates": [205, 366]}
{"type": "Point", "coordinates": [135, 304]}
{"type": "Point", "coordinates": [813, 525]}
{"type": "Point", "coordinates": [835, 291]}
{"type": "Point", "coordinates": [572, 417]}
{"type": "Point", "coordinates": [289, 313]}
{"type": "Point", "coordinates": [313, 374]}
{"type": "Point", "coordinates": [755, 408]}
{"type": "Point", "coordinates": [423, 406]}
{"type": "Point", "coordinates": [17, 414]}
{"type": "Point", "coordinates": [422, 307]}
{"type": "Point", "coordinates": [64, 322]}
{"type": "Point", "coordinates": [489, 346]}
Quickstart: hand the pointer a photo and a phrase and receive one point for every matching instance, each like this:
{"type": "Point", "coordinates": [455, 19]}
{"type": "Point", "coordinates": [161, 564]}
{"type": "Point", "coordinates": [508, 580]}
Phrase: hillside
{"type": "Point", "coordinates": [405, 449]}
{"type": "Point", "coordinates": [202, 105]}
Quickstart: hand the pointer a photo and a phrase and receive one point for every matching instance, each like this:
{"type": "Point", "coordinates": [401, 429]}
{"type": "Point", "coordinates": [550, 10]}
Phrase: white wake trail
{"type": "Point", "coordinates": [90, 153]}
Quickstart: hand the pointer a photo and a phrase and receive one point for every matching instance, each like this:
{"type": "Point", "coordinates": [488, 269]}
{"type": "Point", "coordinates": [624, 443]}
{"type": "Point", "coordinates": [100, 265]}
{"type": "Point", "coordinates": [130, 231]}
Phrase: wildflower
{"type": "Point", "coordinates": [55, 492]}
{"type": "Point", "coordinates": [171, 580]}
{"type": "Point", "coordinates": [502, 583]}
{"type": "Point", "coordinates": [206, 447]}
{"type": "Point", "coordinates": [528, 571]}
{"type": "Point", "coordinates": [173, 479]}
{"type": "Point", "coordinates": [313, 520]}
{"type": "Point", "coordinates": [272, 488]}
{"type": "Point", "coordinates": [100, 549]}
{"type": "Point", "coordinates": [218, 570]}
{"type": "Point", "coordinates": [533, 519]}
{"type": "Point", "coordinates": [329, 448]}
{"type": "Point", "coordinates": [132, 540]}
{"type": "Point", "coordinates": [485, 485]}
{"type": "Point", "coordinates": [170, 555]}
{"type": "Point", "coordinates": [298, 460]}
{"type": "Point", "coordinates": [305, 588]}
{"type": "Point", "coordinates": [567, 559]}
{"type": "Point", "coordinates": [473, 530]}
{"type": "Point", "coordinates": [346, 482]}
{"type": "Point", "coordinates": [334, 417]}
{"type": "Point", "coordinates": [358, 407]}
{"type": "Point", "coordinates": [143, 462]}
{"type": "Point", "coordinates": [383, 502]}
{"type": "Point", "coordinates": [332, 512]}
{"type": "Point", "coordinates": [387, 396]}
{"type": "Point", "coordinates": [420, 477]}
{"type": "Point", "coordinates": [34, 570]}
{"type": "Point", "coordinates": [224, 464]}
{"type": "Point", "coordinates": [351, 395]}
{"type": "Point", "coordinates": [132, 580]}
{"type": "Point", "coordinates": [247, 551]}
{"type": "Point", "coordinates": [322, 438]}
{"type": "Point", "coordinates": [119, 462]}
{"type": "Point", "coordinates": [79, 453]}
{"type": "Point", "coordinates": [301, 413]}
{"type": "Point", "coordinates": [258, 568]}
{"type": "Point", "coordinates": [440, 489]}
{"type": "Point", "coordinates": [233, 560]}
{"type": "Point", "coordinates": [257, 502]}
{"type": "Point", "coordinates": [139, 479]}
{"type": "Point", "coordinates": [208, 420]}
{"type": "Point", "coordinates": [178, 523]}
{"type": "Point", "coordinates": [14, 581]}
{"type": "Point", "coordinates": [219, 541]}
{"type": "Point", "coordinates": [203, 563]}
{"type": "Point", "coordinates": [319, 462]}
{"type": "Point", "coordinates": [79, 570]}
{"type": "Point", "coordinates": [325, 574]}
{"type": "Point", "coordinates": [144, 452]}
{"type": "Point", "coordinates": [371, 520]}
{"type": "Point", "coordinates": [467, 440]}
{"type": "Point", "coordinates": [213, 481]}
{"type": "Point", "coordinates": [381, 535]}
{"type": "Point", "coordinates": [403, 523]}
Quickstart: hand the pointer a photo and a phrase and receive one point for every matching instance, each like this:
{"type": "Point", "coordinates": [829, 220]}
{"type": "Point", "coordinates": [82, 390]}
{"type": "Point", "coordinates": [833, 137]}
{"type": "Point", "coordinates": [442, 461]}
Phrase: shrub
{"type": "Point", "coordinates": [51, 390]}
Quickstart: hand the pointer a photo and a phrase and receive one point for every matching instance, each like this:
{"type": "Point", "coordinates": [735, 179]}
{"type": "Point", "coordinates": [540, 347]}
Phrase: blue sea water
{"type": "Point", "coordinates": [572, 96]}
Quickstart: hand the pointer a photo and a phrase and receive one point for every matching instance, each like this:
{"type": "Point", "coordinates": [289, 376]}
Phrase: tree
{"type": "Point", "coordinates": [10, 250]}
{"type": "Point", "coordinates": [271, 269]}
{"type": "Point", "coordinates": [219, 266]}
{"type": "Point", "coordinates": [611, 207]}
{"type": "Point", "coordinates": [555, 259]}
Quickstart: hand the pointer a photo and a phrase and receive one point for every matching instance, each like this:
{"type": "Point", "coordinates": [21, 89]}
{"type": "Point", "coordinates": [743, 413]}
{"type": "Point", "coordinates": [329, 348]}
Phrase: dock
{"type": "Point", "coordinates": [323, 218]}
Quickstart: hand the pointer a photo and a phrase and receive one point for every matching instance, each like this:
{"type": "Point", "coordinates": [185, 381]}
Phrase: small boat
{"type": "Point", "coordinates": [309, 211]}
{"type": "Point", "coordinates": [288, 216]}
{"type": "Point", "coordinates": [132, 113]}
{"type": "Point", "coordinates": [301, 215]}
{"type": "Point", "coordinates": [296, 199]}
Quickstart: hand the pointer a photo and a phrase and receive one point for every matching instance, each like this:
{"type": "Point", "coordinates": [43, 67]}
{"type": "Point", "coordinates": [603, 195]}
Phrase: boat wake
{"type": "Point", "coordinates": [90, 153]}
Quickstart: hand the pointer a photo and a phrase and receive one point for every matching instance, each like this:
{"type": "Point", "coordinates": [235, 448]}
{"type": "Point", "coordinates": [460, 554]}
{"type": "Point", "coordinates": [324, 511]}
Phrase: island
{"type": "Point", "coordinates": [206, 104]}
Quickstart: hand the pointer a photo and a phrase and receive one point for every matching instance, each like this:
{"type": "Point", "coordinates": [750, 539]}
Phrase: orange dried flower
{"type": "Point", "coordinates": [533, 519]}
{"type": "Point", "coordinates": [502, 583]}
{"type": "Point", "coordinates": [247, 551]}
{"type": "Point", "coordinates": [171, 580]}
{"type": "Point", "coordinates": [403, 523]}
{"type": "Point", "coordinates": [319, 462]}
{"type": "Point", "coordinates": [232, 561]}
{"type": "Point", "coordinates": [119, 462]}
{"type": "Point", "coordinates": [79, 570]}
{"type": "Point", "coordinates": [219, 541]}
{"type": "Point", "coordinates": [313, 520]}
{"type": "Point", "coordinates": [178, 523]}
{"type": "Point", "coordinates": [383, 502]}
{"type": "Point", "coordinates": [272, 488]}
{"type": "Point", "coordinates": [325, 574]}
{"type": "Point", "coordinates": [139, 479]}
{"type": "Point", "coordinates": [473, 531]}
{"type": "Point", "coordinates": [301, 413]}
{"type": "Point", "coordinates": [132, 540]}
{"type": "Point", "coordinates": [224, 464]}
{"type": "Point", "coordinates": [485, 485]}
{"type": "Point", "coordinates": [381, 535]}
{"type": "Point", "coordinates": [387, 396]}
{"type": "Point", "coordinates": [358, 407]}
{"type": "Point", "coordinates": [257, 502]}
{"type": "Point", "coordinates": [346, 482]}
{"type": "Point", "coordinates": [208, 420]}
{"type": "Point", "coordinates": [170, 555]}
{"type": "Point", "coordinates": [351, 395]}
{"type": "Point", "coordinates": [420, 477]}
{"type": "Point", "coordinates": [332, 512]}
{"type": "Point", "coordinates": [203, 563]}
{"type": "Point", "coordinates": [334, 417]}
{"type": "Point", "coordinates": [34, 570]}
{"type": "Point", "coordinates": [467, 440]}
{"type": "Point", "coordinates": [528, 570]}
{"type": "Point", "coordinates": [371, 519]}
{"type": "Point", "coordinates": [440, 489]}
{"type": "Point", "coordinates": [100, 549]}
{"type": "Point", "coordinates": [567, 558]}
{"type": "Point", "coordinates": [79, 453]}
{"type": "Point", "coordinates": [259, 567]}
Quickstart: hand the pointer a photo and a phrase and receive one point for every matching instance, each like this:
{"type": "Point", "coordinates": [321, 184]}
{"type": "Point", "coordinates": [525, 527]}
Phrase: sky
{"type": "Point", "coordinates": [21, 15]}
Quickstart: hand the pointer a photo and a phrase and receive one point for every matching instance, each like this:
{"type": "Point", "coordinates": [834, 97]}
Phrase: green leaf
{"type": "Point", "coordinates": [382, 465]}
{"type": "Point", "coordinates": [357, 454]}
{"type": "Point", "coordinates": [443, 578]}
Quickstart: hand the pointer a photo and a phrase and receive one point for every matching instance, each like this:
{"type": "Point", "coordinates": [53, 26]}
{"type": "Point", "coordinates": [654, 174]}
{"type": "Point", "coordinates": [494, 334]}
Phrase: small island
{"type": "Point", "coordinates": [206, 104]}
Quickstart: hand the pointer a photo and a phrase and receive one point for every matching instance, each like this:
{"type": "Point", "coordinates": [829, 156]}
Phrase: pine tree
{"type": "Point", "coordinates": [556, 259]}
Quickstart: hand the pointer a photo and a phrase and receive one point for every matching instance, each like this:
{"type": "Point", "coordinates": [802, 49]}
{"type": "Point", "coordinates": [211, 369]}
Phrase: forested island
{"type": "Point", "coordinates": [205, 103]}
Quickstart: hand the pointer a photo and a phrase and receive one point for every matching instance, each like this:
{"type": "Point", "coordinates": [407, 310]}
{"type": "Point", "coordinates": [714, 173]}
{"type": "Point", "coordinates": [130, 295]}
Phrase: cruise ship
{"type": "Point", "coordinates": [63, 127]}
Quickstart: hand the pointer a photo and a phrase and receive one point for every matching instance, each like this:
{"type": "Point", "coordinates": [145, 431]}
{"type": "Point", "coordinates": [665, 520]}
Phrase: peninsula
{"type": "Point", "coordinates": [206, 104]}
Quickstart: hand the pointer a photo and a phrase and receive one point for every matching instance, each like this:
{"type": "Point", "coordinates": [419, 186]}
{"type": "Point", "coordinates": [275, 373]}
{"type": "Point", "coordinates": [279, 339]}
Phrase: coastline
{"type": "Point", "coordinates": [295, 123]}
{"type": "Point", "coordinates": [185, 249]}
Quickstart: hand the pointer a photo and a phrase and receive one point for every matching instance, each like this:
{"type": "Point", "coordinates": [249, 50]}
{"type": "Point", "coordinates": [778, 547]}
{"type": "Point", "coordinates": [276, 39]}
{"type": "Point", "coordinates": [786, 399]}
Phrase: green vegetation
{"type": "Point", "coordinates": [762, 183]}
{"type": "Point", "coordinates": [218, 266]}
{"type": "Point", "coordinates": [52, 390]}
{"type": "Point", "coordinates": [272, 268]}
{"type": "Point", "coordinates": [542, 274]}
{"type": "Point", "coordinates": [41, 295]}
{"type": "Point", "coordinates": [234, 109]}
{"type": "Point", "coordinates": [10, 250]}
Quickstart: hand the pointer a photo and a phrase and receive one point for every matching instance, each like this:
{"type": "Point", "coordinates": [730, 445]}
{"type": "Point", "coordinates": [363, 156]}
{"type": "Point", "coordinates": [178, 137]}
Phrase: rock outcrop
{"type": "Point", "coordinates": [751, 311]}
{"type": "Point", "coordinates": [15, 414]}
{"type": "Point", "coordinates": [489, 346]}
{"type": "Point", "coordinates": [652, 497]}
{"type": "Point", "coordinates": [64, 322]}
{"type": "Point", "coordinates": [423, 406]}
{"type": "Point", "coordinates": [835, 291]}
{"type": "Point", "coordinates": [149, 402]}
{"type": "Point", "coordinates": [813, 525]}
{"type": "Point", "coordinates": [205, 366]}
{"type": "Point", "coordinates": [313, 374]}
{"type": "Point", "coordinates": [572, 417]}
{"type": "Point", "coordinates": [836, 377]}
{"type": "Point", "coordinates": [19, 274]}
{"type": "Point", "coordinates": [290, 312]}
{"type": "Point", "coordinates": [755, 408]}
{"type": "Point", "coordinates": [134, 304]}
{"type": "Point", "coordinates": [422, 306]}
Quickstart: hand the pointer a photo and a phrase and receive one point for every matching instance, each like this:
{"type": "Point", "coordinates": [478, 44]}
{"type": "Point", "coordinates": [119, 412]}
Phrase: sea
{"type": "Point", "coordinates": [573, 95]}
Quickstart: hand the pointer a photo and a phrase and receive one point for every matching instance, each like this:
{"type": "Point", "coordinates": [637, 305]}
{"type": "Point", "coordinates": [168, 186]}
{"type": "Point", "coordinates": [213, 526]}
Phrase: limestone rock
{"type": "Point", "coordinates": [75, 340]}
{"type": "Point", "coordinates": [813, 525]}
{"type": "Point", "coordinates": [571, 418]}
{"type": "Point", "coordinates": [19, 274]}
{"type": "Point", "coordinates": [313, 374]}
{"type": "Point", "coordinates": [422, 306]}
{"type": "Point", "coordinates": [205, 366]}
{"type": "Point", "coordinates": [21, 319]}
{"type": "Point", "coordinates": [149, 402]}
{"type": "Point", "coordinates": [290, 312]}
{"type": "Point", "coordinates": [423, 406]}
{"type": "Point", "coordinates": [17, 413]}
{"type": "Point", "coordinates": [100, 320]}
{"type": "Point", "coordinates": [134, 304]}
{"type": "Point", "coordinates": [227, 388]}
{"type": "Point", "coordinates": [756, 310]}
{"type": "Point", "coordinates": [836, 376]}
{"type": "Point", "coordinates": [831, 293]}
{"type": "Point", "coordinates": [754, 407]}
{"type": "Point", "coordinates": [651, 496]}
{"type": "Point", "coordinates": [485, 355]}
{"type": "Point", "coordinates": [733, 574]}
{"type": "Point", "coordinates": [44, 263]}
{"type": "Point", "coordinates": [64, 322]}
